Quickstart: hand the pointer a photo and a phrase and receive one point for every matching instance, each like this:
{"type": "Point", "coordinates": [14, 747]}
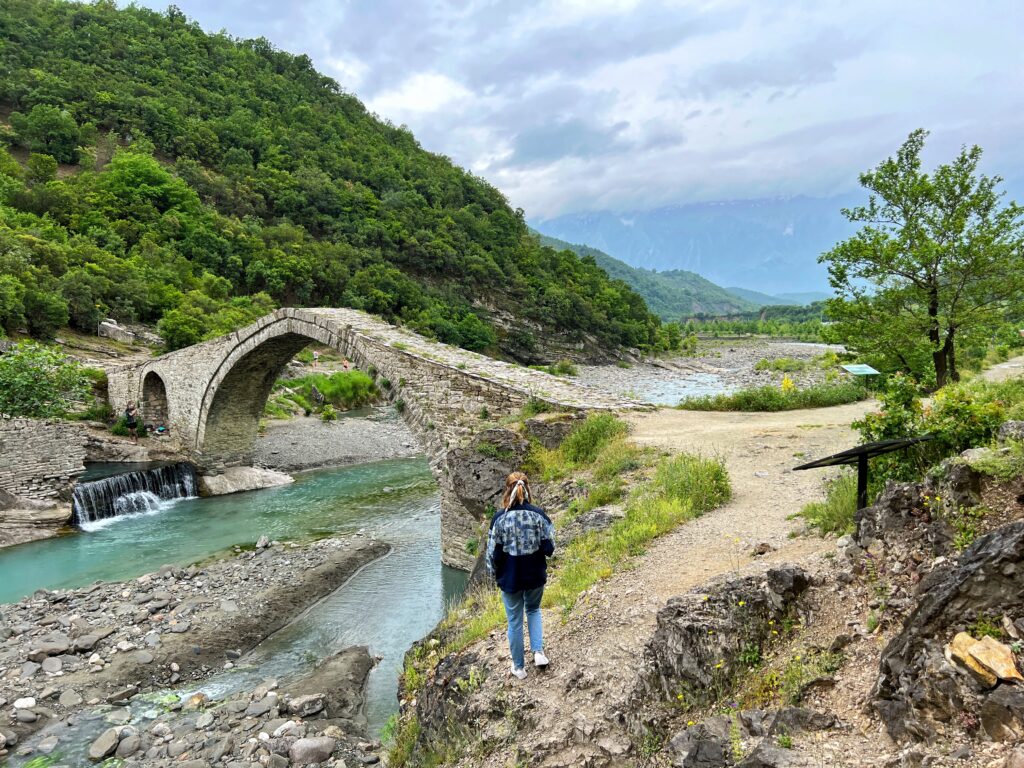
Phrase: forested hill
{"type": "Point", "coordinates": [672, 294]}
{"type": "Point", "coordinates": [203, 179]}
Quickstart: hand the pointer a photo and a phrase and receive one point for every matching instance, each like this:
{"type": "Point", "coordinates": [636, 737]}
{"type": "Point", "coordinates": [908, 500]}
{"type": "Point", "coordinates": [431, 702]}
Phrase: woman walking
{"type": "Point", "coordinates": [520, 541]}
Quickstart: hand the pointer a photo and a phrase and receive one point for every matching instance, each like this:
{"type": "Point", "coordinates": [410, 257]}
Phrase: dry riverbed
{"type": "Point", "coordinates": [720, 365]}
{"type": "Point", "coordinates": [68, 653]}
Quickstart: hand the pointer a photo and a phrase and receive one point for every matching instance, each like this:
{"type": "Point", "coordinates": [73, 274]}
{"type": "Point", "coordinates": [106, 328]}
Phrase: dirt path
{"type": "Point", "coordinates": [595, 652]}
{"type": "Point", "coordinates": [1011, 369]}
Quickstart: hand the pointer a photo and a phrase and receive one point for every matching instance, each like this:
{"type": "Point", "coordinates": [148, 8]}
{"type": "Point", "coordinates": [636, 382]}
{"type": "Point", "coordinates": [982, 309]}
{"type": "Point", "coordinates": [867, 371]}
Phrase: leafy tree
{"type": "Point", "coordinates": [41, 168]}
{"type": "Point", "coordinates": [37, 381]}
{"type": "Point", "coordinates": [936, 265]}
{"type": "Point", "coordinates": [50, 130]}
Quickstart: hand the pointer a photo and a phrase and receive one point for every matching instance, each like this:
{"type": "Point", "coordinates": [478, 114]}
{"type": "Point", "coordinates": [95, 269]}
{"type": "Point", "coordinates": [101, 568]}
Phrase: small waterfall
{"type": "Point", "coordinates": [133, 492]}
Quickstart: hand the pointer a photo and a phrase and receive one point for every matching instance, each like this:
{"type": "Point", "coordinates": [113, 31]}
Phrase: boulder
{"type": "Point", "coordinates": [1011, 430]}
{"type": "Point", "coordinates": [477, 471]}
{"type": "Point", "coordinates": [550, 429]}
{"type": "Point", "coordinates": [996, 658]}
{"type": "Point", "coordinates": [105, 744]}
{"type": "Point", "coordinates": [238, 479]}
{"type": "Point", "coordinates": [311, 750]}
{"type": "Point", "coordinates": [917, 685]}
{"type": "Point", "coordinates": [1002, 714]}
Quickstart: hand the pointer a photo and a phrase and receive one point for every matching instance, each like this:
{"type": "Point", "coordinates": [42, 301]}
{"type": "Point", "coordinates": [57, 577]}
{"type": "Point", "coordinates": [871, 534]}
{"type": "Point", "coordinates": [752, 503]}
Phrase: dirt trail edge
{"type": "Point", "coordinates": [596, 650]}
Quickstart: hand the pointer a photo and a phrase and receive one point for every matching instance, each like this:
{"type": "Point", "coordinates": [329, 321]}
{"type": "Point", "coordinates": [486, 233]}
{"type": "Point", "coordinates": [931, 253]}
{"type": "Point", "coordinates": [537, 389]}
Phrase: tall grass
{"type": "Point", "coordinates": [776, 399]}
{"type": "Point", "coordinates": [683, 487]}
{"type": "Point", "coordinates": [837, 512]}
{"type": "Point", "coordinates": [580, 448]}
{"type": "Point", "coordinates": [341, 390]}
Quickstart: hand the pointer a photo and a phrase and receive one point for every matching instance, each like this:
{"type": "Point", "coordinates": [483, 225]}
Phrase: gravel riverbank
{"type": "Point", "coordinates": [720, 365]}
{"type": "Point", "coordinates": [67, 652]}
{"type": "Point", "coordinates": [306, 442]}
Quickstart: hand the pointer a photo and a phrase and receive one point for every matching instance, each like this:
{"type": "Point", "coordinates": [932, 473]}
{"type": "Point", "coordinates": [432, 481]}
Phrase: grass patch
{"type": "Point", "coordinates": [341, 391]}
{"type": "Point", "coordinates": [785, 685]}
{"type": "Point", "coordinates": [579, 449]}
{"type": "Point", "coordinates": [777, 398]}
{"type": "Point", "coordinates": [560, 368]}
{"type": "Point", "coordinates": [1003, 465]}
{"type": "Point", "coordinates": [781, 364]}
{"type": "Point", "coordinates": [683, 488]}
{"type": "Point", "coordinates": [836, 513]}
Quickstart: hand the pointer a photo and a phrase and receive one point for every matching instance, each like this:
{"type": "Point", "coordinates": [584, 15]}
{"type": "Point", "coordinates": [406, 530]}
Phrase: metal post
{"type": "Point", "coordinates": [862, 481]}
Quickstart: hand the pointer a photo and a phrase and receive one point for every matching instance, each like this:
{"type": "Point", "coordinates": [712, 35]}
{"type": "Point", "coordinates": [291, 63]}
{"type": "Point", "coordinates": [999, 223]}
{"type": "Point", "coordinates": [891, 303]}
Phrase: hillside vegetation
{"type": "Point", "coordinates": [672, 295]}
{"type": "Point", "coordinates": [160, 173]}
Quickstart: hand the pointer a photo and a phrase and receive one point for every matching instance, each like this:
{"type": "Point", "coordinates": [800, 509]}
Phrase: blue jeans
{"type": "Point", "coordinates": [515, 602]}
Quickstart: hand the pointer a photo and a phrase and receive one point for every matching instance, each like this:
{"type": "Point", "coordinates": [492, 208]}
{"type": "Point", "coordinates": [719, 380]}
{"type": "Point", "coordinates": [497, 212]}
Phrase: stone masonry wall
{"type": "Point", "coordinates": [40, 459]}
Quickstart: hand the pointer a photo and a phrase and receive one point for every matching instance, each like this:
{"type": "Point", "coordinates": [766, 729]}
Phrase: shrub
{"type": "Point", "coordinates": [327, 413]}
{"type": "Point", "coordinates": [781, 364]}
{"type": "Point", "coordinates": [836, 513]}
{"type": "Point", "coordinates": [785, 398]}
{"type": "Point", "coordinates": [37, 381]}
{"type": "Point", "coordinates": [585, 441]}
{"type": "Point", "coordinates": [342, 390]}
{"type": "Point", "coordinates": [120, 428]}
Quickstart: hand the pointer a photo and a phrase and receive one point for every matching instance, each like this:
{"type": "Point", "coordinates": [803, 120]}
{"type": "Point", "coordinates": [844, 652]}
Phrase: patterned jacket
{"type": "Point", "coordinates": [518, 545]}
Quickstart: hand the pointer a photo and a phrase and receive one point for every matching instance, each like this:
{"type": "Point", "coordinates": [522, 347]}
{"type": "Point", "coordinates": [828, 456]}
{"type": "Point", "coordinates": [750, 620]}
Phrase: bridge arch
{"type": "Point", "coordinates": [154, 405]}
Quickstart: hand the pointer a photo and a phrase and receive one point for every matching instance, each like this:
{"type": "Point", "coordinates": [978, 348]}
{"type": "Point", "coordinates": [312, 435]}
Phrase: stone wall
{"type": "Point", "coordinates": [40, 459]}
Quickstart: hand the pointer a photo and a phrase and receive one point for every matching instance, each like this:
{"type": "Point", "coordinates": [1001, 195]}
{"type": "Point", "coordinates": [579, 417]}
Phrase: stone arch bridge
{"type": "Point", "coordinates": [212, 395]}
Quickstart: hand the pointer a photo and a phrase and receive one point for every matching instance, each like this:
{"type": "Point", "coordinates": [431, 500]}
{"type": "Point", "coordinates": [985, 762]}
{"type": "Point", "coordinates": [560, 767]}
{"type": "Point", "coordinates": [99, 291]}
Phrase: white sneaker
{"type": "Point", "coordinates": [518, 672]}
{"type": "Point", "coordinates": [540, 660]}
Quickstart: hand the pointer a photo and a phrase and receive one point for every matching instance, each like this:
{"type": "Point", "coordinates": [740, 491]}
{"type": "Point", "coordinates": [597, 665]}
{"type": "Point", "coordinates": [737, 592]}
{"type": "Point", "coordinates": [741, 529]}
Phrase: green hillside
{"type": "Point", "coordinates": [671, 295]}
{"type": "Point", "coordinates": [160, 173]}
{"type": "Point", "coordinates": [757, 298]}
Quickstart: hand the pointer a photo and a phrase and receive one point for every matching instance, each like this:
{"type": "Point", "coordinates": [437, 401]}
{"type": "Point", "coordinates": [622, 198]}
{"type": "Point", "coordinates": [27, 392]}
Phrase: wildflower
{"type": "Point", "coordinates": [679, 696]}
{"type": "Point", "coordinates": [690, 722]}
{"type": "Point", "coordinates": [741, 603]}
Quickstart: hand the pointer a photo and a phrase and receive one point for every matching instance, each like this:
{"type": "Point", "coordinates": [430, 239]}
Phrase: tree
{"type": "Point", "coordinates": [39, 382]}
{"type": "Point", "coordinates": [48, 129]}
{"type": "Point", "coordinates": [936, 265]}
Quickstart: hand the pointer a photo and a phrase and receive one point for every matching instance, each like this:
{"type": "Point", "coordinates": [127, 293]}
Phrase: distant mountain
{"type": "Point", "coordinates": [804, 298]}
{"type": "Point", "coordinates": [672, 294]}
{"type": "Point", "coordinates": [768, 245]}
{"type": "Point", "coordinates": [782, 299]}
{"type": "Point", "coordinates": [756, 297]}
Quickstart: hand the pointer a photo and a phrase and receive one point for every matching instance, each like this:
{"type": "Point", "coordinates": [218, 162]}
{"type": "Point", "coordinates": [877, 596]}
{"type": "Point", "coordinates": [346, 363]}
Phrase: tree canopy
{"type": "Point", "coordinates": [215, 178]}
{"type": "Point", "coordinates": [937, 266]}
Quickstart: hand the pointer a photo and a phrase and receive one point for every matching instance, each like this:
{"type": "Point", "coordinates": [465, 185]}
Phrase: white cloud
{"type": "Point", "coordinates": [420, 94]}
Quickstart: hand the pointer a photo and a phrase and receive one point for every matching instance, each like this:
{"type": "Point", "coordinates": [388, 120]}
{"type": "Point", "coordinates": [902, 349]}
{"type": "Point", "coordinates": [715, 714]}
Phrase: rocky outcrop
{"type": "Point", "coordinates": [918, 685]}
{"type": "Point", "coordinates": [238, 479]}
{"type": "Point", "coordinates": [550, 429]}
{"type": "Point", "coordinates": [697, 647]}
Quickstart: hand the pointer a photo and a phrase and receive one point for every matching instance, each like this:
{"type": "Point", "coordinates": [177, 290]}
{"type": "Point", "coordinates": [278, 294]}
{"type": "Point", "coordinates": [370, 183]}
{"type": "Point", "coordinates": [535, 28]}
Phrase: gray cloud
{"type": "Point", "coordinates": [571, 105]}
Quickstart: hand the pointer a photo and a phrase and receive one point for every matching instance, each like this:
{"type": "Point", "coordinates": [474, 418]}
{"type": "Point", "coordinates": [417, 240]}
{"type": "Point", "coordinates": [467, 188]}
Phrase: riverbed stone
{"type": "Point", "coordinates": [304, 706]}
{"type": "Point", "coordinates": [52, 665]}
{"type": "Point", "coordinates": [205, 720]}
{"type": "Point", "coordinates": [105, 744]}
{"type": "Point", "coordinates": [317, 749]}
{"type": "Point", "coordinates": [70, 698]}
{"type": "Point", "coordinates": [53, 644]}
{"type": "Point", "coordinates": [29, 668]}
{"type": "Point", "coordinates": [25, 716]}
{"type": "Point", "coordinates": [128, 746]}
{"type": "Point", "coordinates": [25, 703]}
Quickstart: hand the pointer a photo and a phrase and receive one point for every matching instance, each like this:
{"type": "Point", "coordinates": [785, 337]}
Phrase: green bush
{"type": "Point", "coordinates": [120, 428]}
{"type": "Point", "coordinates": [585, 441]}
{"type": "Point", "coordinates": [782, 365]}
{"type": "Point", "coordinates": [327, 413]}
{"type": "Point", "coordinates": [837, 512]}
{"type": "Point", "coordinates": [960, 416]}
{"type": "Point", "coordinates": [37, 381]}
{"type": "Point", "coordinates": [342, 390]}
{"type": "Point", "coordinates": [771, 398]}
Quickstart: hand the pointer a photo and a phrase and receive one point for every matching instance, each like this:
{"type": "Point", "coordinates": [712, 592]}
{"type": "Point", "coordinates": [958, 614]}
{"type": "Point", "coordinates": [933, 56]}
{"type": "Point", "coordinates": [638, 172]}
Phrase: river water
{"type": "Point", "coordinates": [388, 605]}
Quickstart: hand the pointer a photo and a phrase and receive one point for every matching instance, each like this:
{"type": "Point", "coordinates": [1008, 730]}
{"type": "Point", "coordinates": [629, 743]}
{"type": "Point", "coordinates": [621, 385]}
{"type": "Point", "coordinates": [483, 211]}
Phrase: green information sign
{"type": "Point", "coordinates": [860, 369]}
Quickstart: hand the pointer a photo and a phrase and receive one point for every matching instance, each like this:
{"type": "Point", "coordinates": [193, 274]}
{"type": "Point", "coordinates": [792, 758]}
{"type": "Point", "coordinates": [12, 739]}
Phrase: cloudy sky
{"type": "Point", "coordinates": [577, 105]}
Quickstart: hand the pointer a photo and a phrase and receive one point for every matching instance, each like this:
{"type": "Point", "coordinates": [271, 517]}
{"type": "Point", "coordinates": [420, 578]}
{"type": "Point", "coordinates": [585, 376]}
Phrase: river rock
{"type": "Point", "coordinates": [26, 703]}
{"type": "Point", "coordinates": [128, 746]}
{"type": "Point", "coordinates": [28, 669]}
{"type": "Point", "coordinates": [52, 665]}
{"type": "Point", "coordinates": [25, 716]}
{"type": "Point", "coordinates": [316, 749]}
{"type": "Point", "coordinates": [70, 698]}
{"type": "Point", "coordinates": [304, 706]}
{"type": "Point", "coordinates": [238, 479]}
{"type": "Point", "coordinates": [85, 643]}
{"type": "Point", "coordinates": [205, 720]}
{"type": "Point", "coordinates": [53, 644]}
{"type": "Point", "coordinates": [105, 744]}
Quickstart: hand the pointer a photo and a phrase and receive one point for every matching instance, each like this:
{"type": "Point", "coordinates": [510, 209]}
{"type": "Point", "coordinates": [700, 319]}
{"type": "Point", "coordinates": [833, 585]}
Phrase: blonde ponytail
{"type": "Point", "coordinates": [517, 490]}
